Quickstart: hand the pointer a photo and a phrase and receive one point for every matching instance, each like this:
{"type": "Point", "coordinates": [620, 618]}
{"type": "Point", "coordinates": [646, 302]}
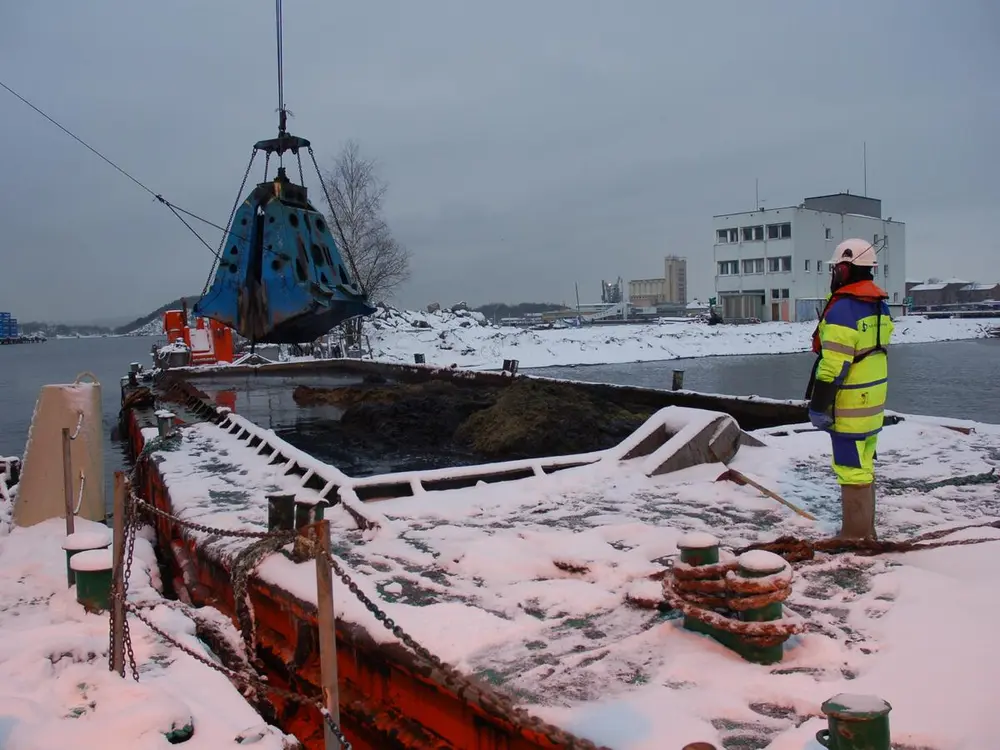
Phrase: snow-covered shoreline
{"type": "Point", "coordinates": [466, 339]}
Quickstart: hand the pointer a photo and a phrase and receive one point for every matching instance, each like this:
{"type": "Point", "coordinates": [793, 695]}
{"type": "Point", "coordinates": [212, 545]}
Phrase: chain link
{"type": "Point", "coordinates": [288, 536]}
{"type": "Point", "coordinates": [240, 678]}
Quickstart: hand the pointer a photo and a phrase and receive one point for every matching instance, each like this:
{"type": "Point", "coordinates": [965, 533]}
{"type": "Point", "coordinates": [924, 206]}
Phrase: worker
{"type": "Point", "coordinates": [850, 380]}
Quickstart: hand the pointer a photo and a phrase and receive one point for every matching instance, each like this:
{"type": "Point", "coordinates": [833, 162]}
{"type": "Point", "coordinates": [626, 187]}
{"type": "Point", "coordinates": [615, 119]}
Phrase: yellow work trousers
{"type": "Point", "coordinates": [854, 460]}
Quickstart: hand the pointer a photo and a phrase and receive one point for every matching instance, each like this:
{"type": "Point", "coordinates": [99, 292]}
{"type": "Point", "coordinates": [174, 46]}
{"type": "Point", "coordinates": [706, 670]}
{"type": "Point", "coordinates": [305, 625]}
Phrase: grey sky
{"type": "Point", "coordinates": [528, 145]}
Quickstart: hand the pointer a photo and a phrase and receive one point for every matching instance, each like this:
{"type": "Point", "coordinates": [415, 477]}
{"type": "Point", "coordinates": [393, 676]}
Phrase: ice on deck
{"type": "Point", "coordinates": [524, 584]}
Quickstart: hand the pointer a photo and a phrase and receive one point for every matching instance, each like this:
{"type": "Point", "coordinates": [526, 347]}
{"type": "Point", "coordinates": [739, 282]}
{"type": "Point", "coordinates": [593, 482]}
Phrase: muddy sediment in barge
{"type": "Point", "coordinates": [369, 418]}
{"type": "Point", "coordinates": [524, 419]}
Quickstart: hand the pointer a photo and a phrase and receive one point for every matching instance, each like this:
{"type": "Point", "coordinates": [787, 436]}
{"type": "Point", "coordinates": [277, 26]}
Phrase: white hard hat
{"type": "Point", "coordinates": [855, 251]}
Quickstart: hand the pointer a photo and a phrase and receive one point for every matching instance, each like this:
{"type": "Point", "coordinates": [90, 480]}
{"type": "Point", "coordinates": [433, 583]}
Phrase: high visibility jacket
{"type": "Point", "coordinates": [851, 340]}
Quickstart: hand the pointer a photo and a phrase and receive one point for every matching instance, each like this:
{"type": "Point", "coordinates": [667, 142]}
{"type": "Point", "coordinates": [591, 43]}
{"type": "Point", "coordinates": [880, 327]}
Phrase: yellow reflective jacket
{"type": "Point", "coordinates": [852, 341]}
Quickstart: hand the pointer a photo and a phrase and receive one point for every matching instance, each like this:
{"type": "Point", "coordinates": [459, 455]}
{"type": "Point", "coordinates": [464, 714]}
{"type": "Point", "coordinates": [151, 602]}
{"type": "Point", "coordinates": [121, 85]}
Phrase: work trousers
{"type": "Point", "coordinates": [854, 460]}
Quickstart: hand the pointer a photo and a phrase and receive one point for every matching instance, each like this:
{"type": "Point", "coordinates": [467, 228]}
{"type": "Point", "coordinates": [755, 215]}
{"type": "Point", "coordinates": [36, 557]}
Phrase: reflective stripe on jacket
{"type": "Point", "coordinates": [852, 337]}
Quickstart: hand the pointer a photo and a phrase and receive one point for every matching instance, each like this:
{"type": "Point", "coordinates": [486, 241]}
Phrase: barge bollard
{"type": "Point", "coordinates": [678, 381]}
{"type": "Point", "coordinates": [165, 422]}
{"type": "Point", "coordinates": [83, 541]}
{"type": "Point", "coordinates": [93, 570]}
{"type": "Point", "coordinates": [760, 564]}
{"type": "Point", "coordinates": [418, 359]}
{"type": "Point", "coordinates": [699, 549]}
{"type": "Point", "coordinates": [855, 722]}
{"type": "Point", "coordinates": [281, 511]}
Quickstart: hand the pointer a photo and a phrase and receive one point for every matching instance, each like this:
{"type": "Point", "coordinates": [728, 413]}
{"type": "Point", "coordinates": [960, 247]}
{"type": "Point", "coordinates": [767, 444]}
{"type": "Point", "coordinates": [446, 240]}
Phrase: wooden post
{"type": "Point", "coordinates": [327, 633]}
{"type": "Point", "coordinates": [118, 577]}
{"type": "Point", "coordinates": [67, 479]}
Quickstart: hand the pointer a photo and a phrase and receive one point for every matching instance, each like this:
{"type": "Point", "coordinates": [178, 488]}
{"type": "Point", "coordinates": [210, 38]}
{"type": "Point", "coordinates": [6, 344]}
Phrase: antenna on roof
{"type": "Point", "coordinates": [865, 158]}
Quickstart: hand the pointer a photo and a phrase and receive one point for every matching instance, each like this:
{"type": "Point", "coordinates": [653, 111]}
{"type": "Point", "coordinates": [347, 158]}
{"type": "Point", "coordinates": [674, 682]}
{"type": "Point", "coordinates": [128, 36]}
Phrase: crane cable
{"type": "Point", "coordinates": [174, 208]}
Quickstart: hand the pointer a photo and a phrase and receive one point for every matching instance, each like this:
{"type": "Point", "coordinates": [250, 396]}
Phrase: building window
{"type": "Point", "coordinates": [779, 265]}
{"type": "Point", "coordinates": [875, 242]}
{"type": "Point", "coordinates": [753, 265]}
{"type": "Point", "coordinates": [747, 267]}
{"type": "Point", "coordinates": [807, 264]}
{"type": "Point", "coordinates": [875, 272]}
{"type": "Point", "coordinates": [753, 234]}
{"type": "Point", "coordinates": [895, 296]}
{"type": "Point", "coordinates": [819, 266]}
{"type": "Point", "coordinates": [726, 236]}
{"type": "Point", "coordinates": [774, 294]}
{"type": "Point", "coordinates": [784, 294]}
{"type": "Point", "coordinates": [885, 271]}
{"type": "Point", "coordinates": [729, 268]}
{"type": "Point", "coordinates": [829, 233]}
{"type": "Point", "coordinates": [779, 231]}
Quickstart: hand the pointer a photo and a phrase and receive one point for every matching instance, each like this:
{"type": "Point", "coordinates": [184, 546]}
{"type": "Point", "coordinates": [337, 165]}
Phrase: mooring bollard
{"type": "Point", "coordinates": [855, 722]}
{"type": "Point", "coordinates": [165, 422]}
{"type": "Point", "coordinates": [761, 564]}
{"type": "Point", "coordinates": [92, 569]}
{"type": "Point", "coordinates": [698, 549]}
{"type": "Point", "coordinates": [678, 381]}
{"type": "Point", "coordinates": [418, 359]}
{"type": "Point", "coordinates": [83, 541]}
{"type": "Point", "coordinates": [281, 511]}
{"type": "Point", "coordinates": [738, 602]}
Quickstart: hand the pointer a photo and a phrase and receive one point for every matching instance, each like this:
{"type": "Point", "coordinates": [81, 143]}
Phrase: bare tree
{"type": "Point", "coordinates": [377, 261]}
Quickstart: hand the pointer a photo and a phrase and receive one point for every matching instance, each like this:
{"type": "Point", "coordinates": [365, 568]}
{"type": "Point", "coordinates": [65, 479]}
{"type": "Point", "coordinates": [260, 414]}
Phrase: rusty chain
{"type": "Point", "coordinates": [458, 682]}
{"type": "Point", "coordinates": [697, 591]}
{"type": "Point", "coordinates": [240, 678]}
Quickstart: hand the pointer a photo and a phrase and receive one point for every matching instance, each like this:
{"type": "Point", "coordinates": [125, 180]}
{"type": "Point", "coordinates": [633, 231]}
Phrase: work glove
{"type": "Point", "coordinates": [820, 420]}
{"type": "Point", "coordinates": [821, 405]}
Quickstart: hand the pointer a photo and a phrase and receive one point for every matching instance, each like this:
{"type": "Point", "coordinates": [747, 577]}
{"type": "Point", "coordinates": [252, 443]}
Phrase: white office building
{"type": "Point", "coordinates": [773, 264]}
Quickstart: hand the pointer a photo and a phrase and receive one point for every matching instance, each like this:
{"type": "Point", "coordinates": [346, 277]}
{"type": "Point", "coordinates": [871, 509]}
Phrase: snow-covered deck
{"type": "Point", "coordinates": [55, 687]}
{"type": "Point", "coordinates": [525, 583]}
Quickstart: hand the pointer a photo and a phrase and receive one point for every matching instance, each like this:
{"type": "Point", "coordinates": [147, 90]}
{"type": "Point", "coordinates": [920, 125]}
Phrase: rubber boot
{"type": "Point", "coordinates": [857, 503]}
{"type": "Point", "coordinates": [874, 531]}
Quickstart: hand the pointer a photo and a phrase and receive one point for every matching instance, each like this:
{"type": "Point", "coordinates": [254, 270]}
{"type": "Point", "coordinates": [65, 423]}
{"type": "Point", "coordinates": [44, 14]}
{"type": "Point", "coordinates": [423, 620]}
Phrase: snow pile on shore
{"type": "Point", "coordinates": [467, 340]}
{"type": "Point", "coordinates": [55, 687]}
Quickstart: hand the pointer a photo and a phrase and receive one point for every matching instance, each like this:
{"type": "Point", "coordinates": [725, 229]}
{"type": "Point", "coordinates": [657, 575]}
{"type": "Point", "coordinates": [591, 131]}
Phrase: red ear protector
{"type": "Point", "coordinates": [840, 273]}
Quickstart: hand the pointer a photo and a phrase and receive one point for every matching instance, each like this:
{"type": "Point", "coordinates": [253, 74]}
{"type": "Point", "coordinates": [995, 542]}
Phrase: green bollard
{"type": "Point", "coordinates": [180, 734]}
{"type": "Point", "coordinates": [82, 541]}
{"type": "Point", "coordinates": [93, 579]}
{"type": "Point", "coordinates": [280, 511]}
{"type": "Point", "coordinates": [699, 549]}
{"type": "Point", "coordinates": [855, 722]}
{"type": "Point", "coordinates": [760, 564]}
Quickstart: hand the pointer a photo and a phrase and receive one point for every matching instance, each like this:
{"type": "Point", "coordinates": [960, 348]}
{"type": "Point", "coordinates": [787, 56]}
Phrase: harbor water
{"type": "Point", "coordinates": [955, 379]}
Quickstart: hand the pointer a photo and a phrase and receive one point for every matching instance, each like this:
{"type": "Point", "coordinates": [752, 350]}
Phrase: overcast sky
{"type": "Point", "coordinates": [528, 145]}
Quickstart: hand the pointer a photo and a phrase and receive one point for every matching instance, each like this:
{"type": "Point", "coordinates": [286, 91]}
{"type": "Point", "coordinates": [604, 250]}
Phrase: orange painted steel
{"type": "Point", "coordinates": [219, 335]}
{"type": "Point", "coordinates": [387, 697]}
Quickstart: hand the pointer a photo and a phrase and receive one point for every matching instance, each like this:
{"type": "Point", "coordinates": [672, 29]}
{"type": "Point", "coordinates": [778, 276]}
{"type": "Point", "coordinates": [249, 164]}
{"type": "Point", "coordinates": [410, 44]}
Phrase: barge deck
{"type": "Point", "coordinates": [525, 585]}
